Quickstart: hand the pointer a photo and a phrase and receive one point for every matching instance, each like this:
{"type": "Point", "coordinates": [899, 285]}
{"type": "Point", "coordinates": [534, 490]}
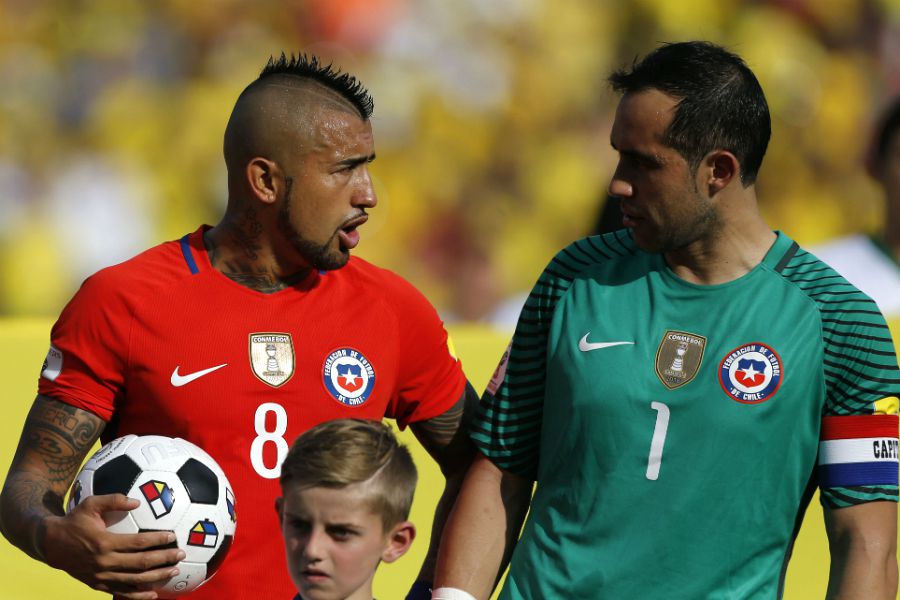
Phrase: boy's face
{"type": "Point", "coordinates": [334, 541]}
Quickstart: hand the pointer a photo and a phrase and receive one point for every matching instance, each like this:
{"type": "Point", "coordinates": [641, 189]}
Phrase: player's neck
{"type": "Point", "coordinates": [243, 254]}
{"type": "Point", "coordinates": [728, 255]}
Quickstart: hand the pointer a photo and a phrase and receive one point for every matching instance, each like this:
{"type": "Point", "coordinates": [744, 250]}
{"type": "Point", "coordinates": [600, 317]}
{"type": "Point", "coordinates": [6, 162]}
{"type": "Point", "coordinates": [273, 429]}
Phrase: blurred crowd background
{"type": "Point", "coordinates": [491, 124]}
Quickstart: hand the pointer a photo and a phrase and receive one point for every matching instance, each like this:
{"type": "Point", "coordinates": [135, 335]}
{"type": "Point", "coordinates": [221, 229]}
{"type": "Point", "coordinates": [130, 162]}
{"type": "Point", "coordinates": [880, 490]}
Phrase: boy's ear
{"type": "Point", "coordinates": [399, 540]}
{"type": "Point", "coordinates": [279, 509]}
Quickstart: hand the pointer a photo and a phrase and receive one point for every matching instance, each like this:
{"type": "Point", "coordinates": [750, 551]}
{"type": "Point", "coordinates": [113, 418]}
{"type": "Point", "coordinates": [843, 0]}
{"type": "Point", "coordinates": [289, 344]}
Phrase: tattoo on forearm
{"type": "Point", "coordinates": [60, 435]}
{"type": "Point", "coordinates": [55, 439]}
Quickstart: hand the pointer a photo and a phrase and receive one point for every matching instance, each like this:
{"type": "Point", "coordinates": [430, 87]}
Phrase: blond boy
{"type": "Point", "coordinates": [347, 489]}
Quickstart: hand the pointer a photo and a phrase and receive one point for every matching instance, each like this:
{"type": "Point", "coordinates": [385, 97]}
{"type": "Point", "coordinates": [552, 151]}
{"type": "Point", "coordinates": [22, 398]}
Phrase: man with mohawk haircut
{"type": "Point", "coordinates": [239, 338]}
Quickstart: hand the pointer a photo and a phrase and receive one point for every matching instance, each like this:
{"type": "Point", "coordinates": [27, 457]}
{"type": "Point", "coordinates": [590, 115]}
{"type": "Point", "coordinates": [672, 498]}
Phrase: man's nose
{"type": "Point", "coordinates": [619, 187]}
{"type": "Point", "coordinates": [364, 194]}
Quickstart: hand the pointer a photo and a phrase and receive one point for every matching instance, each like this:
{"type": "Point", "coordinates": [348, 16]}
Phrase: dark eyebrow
{"type": "Point", "coordinates": [356, 160]}
{"type": "Point", "coordinates": [641, 156]}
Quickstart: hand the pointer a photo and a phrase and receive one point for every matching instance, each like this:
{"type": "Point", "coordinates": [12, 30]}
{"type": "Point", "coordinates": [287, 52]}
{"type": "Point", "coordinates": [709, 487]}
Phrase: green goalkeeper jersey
{"type": "Point", "coordinates": [673, 429]}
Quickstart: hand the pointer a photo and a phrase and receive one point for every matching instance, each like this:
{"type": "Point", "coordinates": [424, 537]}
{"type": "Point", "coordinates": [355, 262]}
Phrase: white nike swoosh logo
{"type": "Point", "coordinates": [180, 380]}
{"type": "Point", "coordinates": [586, 346]}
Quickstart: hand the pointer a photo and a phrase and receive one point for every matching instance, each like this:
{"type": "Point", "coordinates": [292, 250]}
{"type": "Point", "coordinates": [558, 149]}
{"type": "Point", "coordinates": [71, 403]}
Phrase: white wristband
{"type": "Point", "coordinates": [449, 593]}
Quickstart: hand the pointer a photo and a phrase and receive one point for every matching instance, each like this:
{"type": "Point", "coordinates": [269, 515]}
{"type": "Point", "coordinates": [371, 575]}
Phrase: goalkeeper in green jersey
{"type": "Point", "coordinates": [679, 388]}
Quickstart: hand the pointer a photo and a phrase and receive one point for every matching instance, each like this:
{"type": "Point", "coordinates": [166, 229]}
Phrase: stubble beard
{"type": "Point", "coordinates": [319, 256]}
{"type": "Point", "coordinates": [702, 224]}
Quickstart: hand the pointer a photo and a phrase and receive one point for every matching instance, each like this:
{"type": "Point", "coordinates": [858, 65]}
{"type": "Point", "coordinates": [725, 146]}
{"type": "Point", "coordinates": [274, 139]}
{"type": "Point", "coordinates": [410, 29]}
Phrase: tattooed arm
{"type": "Point", "coordinates": [446, 439]}
{"type": "Point", "coordinates": [55, 439]}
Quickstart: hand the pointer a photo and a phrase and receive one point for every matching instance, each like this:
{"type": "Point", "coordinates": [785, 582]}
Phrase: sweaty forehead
{"type": "Point", "coordinates": [339, 133]}
{"type": "Point", "coordinates": [642, 117]}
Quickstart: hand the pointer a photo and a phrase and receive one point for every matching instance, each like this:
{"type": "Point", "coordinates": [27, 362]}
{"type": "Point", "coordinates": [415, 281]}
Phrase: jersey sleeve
{"type": "Point", "coordinates": [507, 426]}
{"type": "Point", "coordinates": [858, 446]}
{"type": "Point", "coordinates": [430, 376]}
{"type": "Point", "coordinates": [88, 349]}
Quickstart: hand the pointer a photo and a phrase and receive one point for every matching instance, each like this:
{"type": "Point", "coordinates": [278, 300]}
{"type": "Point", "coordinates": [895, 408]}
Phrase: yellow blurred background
{"type": "Point", "coordinates": [491, 124]}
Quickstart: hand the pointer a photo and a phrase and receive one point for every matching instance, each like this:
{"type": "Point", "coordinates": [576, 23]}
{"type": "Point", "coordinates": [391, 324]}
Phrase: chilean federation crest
{"type": "Point", "coordinates": [272, 357]}
{"type": "Point", "coordinates": [678, 358]}
{"type": "Point", "coordinates": [348, 376]}
{"type": "Point", "coordinates": [751, 373]}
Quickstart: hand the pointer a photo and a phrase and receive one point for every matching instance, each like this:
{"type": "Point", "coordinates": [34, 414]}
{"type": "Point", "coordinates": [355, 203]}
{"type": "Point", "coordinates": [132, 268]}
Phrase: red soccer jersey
{"type": "Point", "coordinates": [165, 344]}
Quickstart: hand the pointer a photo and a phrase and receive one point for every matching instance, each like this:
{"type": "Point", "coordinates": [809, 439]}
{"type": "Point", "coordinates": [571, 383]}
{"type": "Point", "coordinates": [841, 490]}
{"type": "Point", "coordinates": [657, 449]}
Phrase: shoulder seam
{"type": "Point", "coordinates": [787, 257]}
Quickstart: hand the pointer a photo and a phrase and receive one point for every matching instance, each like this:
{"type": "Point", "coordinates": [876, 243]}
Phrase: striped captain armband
{"type": "Point", "coordinates": [858, 450]}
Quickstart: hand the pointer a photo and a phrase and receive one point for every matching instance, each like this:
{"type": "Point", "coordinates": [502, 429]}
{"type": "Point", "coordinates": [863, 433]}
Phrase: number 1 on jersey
{"type": "Point", "coordinates": [659, 439]}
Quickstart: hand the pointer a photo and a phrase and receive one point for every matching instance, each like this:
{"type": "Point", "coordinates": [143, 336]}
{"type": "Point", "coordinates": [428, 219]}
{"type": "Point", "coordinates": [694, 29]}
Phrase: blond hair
{"type": "Point", "coordinates": [339, 453]}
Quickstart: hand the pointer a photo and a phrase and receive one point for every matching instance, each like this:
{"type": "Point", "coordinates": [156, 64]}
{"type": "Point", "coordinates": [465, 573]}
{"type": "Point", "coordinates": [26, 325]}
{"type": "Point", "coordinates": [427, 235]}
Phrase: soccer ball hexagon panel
{"type": "Point", "coordinates": [180, 488]}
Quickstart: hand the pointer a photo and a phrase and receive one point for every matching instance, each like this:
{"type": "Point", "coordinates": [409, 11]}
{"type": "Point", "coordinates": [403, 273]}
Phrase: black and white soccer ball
{"type": "Point", "coordinates": [180, 488]}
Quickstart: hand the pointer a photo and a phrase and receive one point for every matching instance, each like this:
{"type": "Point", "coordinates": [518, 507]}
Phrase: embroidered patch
{"type": "Point", "coordinates": [348, 376]}
{"type": "Point", "coordinates": [272, 357]}
{"type": "Point", "coordinates": [678, 358]}
{"type": "Point", "coordinates": [751, 373]}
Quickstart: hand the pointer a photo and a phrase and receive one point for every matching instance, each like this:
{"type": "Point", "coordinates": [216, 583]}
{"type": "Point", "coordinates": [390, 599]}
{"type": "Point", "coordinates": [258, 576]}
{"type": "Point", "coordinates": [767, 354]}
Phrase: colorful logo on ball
{"type": "Point", "coordinates": [348, 376]}
{"type": "Point", "coordinates": [229, 502]}
{"type": "Point", "coordinates": [204, 534]}
{"type": "Point", "coordinates": [751, 373]}
{"type": "Point", "coordinates": [159, 496]}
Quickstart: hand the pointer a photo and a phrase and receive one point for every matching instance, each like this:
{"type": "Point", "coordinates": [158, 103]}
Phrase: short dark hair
{"type": "Point", "coordinates": [340, 453]}
{"type": "Point", "coordinates": [309, 67]}
{"type": "Point", "coordinates": [720, 101]}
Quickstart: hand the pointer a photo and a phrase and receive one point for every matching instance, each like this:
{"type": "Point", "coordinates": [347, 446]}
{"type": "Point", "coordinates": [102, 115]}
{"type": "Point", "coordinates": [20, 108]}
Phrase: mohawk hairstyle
{"type": "Point", "coordinates": [309, 67]}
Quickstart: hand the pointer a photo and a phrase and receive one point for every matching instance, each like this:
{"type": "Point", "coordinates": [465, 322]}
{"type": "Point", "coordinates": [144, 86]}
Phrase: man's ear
{"type": "Point", "coordinates": [720, 168]}
{"type": "Point", "coordinates": [279, 509]}
{"type": "Point", "coordinates": [399, 540]}
{"type": "Point", "coordinates": [264, 179]}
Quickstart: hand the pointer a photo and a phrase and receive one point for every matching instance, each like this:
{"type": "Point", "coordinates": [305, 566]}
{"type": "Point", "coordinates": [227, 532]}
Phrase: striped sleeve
{"type": "Point", "coordinates": [858, 457]}
{"type": "Point", "coordinates": [858, 442]}
{"type": "Point", "coordinates": [507, 427]}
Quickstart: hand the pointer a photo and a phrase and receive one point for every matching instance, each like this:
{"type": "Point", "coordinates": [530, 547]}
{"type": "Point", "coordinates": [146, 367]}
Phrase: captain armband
{"type": "Point", "coordinates": [858, 450]}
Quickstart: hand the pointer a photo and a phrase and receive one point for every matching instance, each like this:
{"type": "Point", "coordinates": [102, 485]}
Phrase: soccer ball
{"type": "Point", "coordinates": [180, 488]}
